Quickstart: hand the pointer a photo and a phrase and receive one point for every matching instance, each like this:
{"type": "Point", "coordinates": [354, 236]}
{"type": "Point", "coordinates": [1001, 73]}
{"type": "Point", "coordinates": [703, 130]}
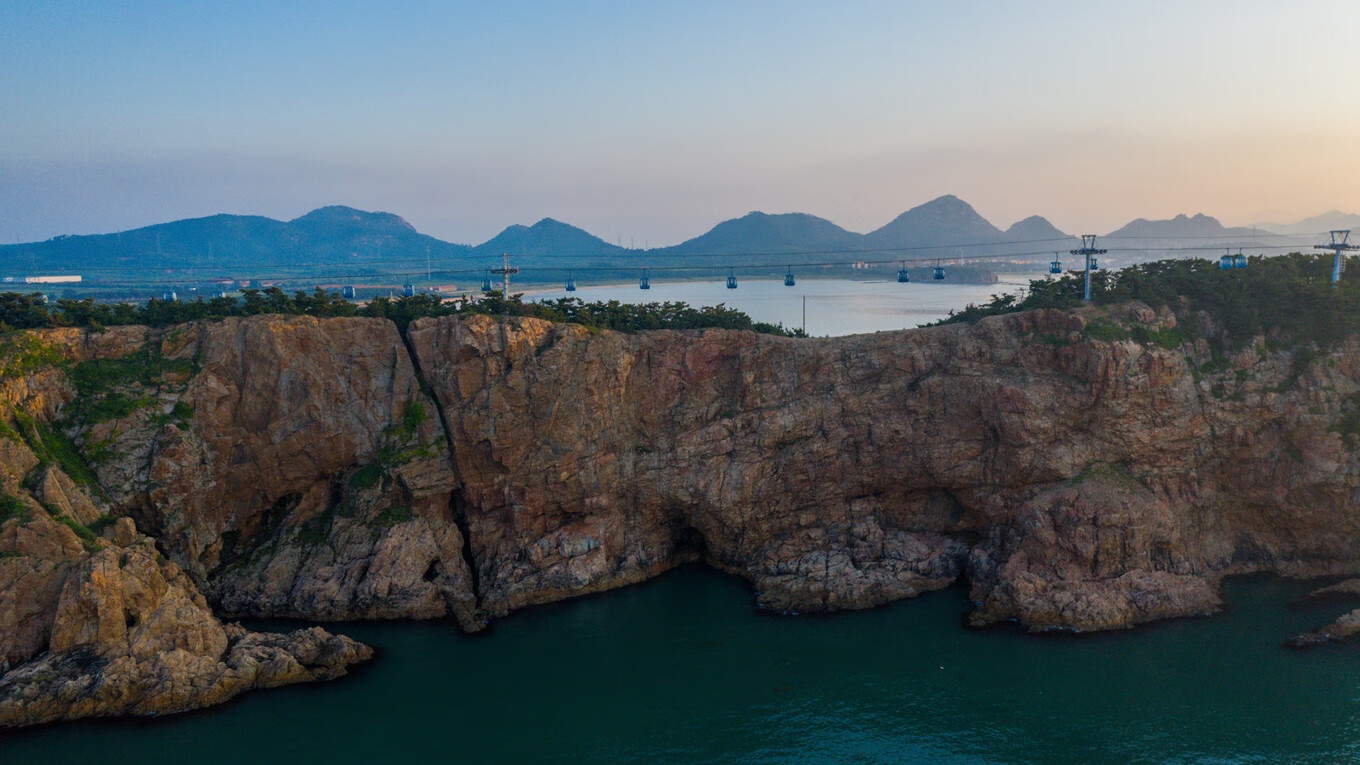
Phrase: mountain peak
{"type": "Point", "coordinates": [333, 215]}
{"type": "Point", "coordinates": [1035, 227]}
{"type": "Point", "coordinates": [546, 237]}
{"type": "Point", "coordinates": [945, 219]}
{"type": "Point", "coordinates": [1182, 226]}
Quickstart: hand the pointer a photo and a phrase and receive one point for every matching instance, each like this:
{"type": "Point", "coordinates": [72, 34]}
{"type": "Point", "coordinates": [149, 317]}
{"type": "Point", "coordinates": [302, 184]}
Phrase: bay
{"type": "Point", "coordinates": [834, 306]}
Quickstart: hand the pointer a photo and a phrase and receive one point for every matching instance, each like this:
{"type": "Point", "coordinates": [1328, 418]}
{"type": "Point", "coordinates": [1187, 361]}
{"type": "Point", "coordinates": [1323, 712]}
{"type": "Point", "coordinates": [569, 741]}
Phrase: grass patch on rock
{"type": "Point", "coordinates": [12, 507]}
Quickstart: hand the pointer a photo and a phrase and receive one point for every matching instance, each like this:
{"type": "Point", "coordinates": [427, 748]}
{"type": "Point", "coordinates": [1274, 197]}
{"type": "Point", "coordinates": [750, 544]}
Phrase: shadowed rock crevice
{"type": "Point", "coordinates": [471, 617]}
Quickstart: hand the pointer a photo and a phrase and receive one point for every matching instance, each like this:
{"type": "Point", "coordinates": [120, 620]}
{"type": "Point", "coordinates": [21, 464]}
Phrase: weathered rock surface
{"type": "Point", "coordinates": [93, 626]}
{"type": "Point", "coordinates": [131, 635]}
{"type": "Point", "coordinates": [1100, 553]}
{"type": "Point", "coordinates": [1348, 625]}
{"type": "Point", "coordinates": [1347, 588]}
{"type": "Point", "coordinates": [332, 469]}
{"type": "Point", "coordinates": [292, 466]}
{"type": "Point", "coordinates": [848, 472]}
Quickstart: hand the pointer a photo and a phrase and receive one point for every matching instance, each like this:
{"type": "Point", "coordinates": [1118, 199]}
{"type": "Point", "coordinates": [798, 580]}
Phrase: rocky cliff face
{"type": "Point", "coordinates": [1081, 484]}
{"type": "Point", "coordinates": [334, 469]}
{"type": "Point", "coordinates": [100, 624]}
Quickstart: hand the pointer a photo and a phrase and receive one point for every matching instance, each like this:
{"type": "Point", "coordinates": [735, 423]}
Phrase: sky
{"type": "Point", "coordinates": [648, 123]}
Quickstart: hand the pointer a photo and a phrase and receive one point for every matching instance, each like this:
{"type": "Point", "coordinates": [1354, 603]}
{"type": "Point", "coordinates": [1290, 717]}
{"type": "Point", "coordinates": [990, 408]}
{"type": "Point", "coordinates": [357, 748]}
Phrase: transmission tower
{"type": "Point", "coordinates": [1088, 250]}
{"type": "Point", "coordinates": [505, 270]}
{"type": "Point", "coordinates": [1339, 245]}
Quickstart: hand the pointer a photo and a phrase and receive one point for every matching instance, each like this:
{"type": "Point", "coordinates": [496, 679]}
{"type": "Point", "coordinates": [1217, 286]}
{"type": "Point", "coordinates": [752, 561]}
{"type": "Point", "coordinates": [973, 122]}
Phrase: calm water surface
{"type": "Point", "coordinates": [834, 306]}
{"type": "Point", "coordinates": [681, 669]}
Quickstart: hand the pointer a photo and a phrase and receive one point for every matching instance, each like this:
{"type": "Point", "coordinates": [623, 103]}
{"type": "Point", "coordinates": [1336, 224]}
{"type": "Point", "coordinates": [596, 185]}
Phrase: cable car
{"type": "Point", "coordinates": [1056, 267]}
{"type": "Point", "coordinates": [571, 283]}
{"type": "Point", "coordinates": [1225, 262]}
{"type": "Point", "coordinates": [486, 285]}
{"type": "Point", "coordinates": [645, 282]}
{"type": "Point", "coordinates": [732, 280]}
{"type": "Point", "coordinates": [408, 290]}
{"type": "Point", "coordinates": [788, 278]}
{"type": "Point", "coordinates": [939, 272]}
{"type": "Point", "coordinates": [903, 274]}
{"type": "Point", "coordinates": [1240, 261]}
{"type": "Point", "coordinates": [348, 291]}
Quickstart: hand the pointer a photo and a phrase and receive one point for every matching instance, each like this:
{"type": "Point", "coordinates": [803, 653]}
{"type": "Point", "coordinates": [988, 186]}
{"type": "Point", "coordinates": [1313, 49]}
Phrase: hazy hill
{"type": "Point", "coordinates": [1037, 229]}
{"type": "Point", "coordinates": [759, 233]}
{"type": "Point", "coordinates": [547, 238]}
{"type": "Point", "coordinates": [943, 221]}
{"type": "Point", "coordinates": [1181, 227]}
{"type": "Point", "coordinates": [330, 241]}
{"type": "Point", "coordinates": [1332, 219]}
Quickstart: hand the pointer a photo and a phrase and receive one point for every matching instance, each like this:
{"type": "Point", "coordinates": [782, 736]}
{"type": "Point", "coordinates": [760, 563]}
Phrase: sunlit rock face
{"type": "Point", "coordinates": [1079, 483]}
{"type": "Point", "coordinates": [156, 480]}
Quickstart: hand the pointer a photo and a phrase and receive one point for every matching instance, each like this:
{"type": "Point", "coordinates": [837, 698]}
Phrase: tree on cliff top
{"type": "Point", "coordinates": [26, 311]}
{"type": "Point", "coordinates": [1288, 297]}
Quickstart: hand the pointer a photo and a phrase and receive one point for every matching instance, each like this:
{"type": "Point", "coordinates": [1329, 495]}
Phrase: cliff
{"type": "Point", "coordinates": [338, 469]}
{"type": "Point", "coordinates": [1081, 484]}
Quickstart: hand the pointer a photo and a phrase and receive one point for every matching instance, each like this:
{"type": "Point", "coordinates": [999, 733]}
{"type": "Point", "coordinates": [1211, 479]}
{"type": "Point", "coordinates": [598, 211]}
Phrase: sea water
{"type": "Point", "coordinates": [682, 669]}
{"type": "Point", "coordinates": [833, 306]}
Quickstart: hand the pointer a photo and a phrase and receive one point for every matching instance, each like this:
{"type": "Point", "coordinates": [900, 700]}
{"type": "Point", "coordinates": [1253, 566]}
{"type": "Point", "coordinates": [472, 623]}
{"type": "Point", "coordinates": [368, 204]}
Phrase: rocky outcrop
{"type": "Point", "coordinates": [848, 472]}
{"type": "Point", "coordinates": [1078, 477]}
{"type": "Point", "coordinates": [102, 626]}
{"type": "Point", "coordinates": [292, 466]}
{"type": "Point", "coordinates": [131, 635]}
{"type": "Point", "coordinates": [1100, 552]}
{"type": "Point", "coordinates": [94, 625]}
{"type": "Point", "coordinates": [1347, 625]}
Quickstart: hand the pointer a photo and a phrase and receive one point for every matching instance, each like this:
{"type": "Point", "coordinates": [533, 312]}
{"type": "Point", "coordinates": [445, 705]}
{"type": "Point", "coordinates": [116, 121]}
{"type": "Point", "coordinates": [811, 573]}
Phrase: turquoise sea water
{"type": "Point", "coordinates": [681, 669]}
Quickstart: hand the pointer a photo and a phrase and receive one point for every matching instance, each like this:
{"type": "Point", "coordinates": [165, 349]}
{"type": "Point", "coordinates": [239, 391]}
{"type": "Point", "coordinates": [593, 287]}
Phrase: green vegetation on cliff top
{"type": "Point", "coordinates": [1287, 298]}
{"type": "Point", "coordinates": [24, 311]}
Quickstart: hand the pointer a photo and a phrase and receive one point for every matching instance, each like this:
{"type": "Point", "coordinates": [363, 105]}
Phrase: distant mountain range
{"type": "Point", "coordinates": [342, 243]}
{"type": "Point", "coordinates": [1328, 221]}
{"type": "Point", "coordinates": [1179, 227]}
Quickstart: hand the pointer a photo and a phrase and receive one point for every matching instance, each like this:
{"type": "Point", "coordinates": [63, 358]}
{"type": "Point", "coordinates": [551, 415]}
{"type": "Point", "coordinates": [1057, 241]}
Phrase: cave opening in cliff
{"type": "Point", "coordinates": [687, 542]}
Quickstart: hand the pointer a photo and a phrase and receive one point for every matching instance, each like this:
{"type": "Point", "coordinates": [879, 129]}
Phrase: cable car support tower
{"type": "Point", "coordinates": [505, 270]}
{"type": "Point", "coordinates": [1339, 245]}
{"type": "Point", "coordinates": [1088, 250]}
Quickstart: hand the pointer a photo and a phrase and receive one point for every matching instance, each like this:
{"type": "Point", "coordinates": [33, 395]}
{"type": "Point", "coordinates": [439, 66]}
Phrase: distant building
{"type": "Point", "coordinates": [51, 279]}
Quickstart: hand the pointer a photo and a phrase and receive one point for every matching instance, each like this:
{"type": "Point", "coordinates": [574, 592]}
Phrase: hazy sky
{"type": "Point", "coordinates": [654, 121]}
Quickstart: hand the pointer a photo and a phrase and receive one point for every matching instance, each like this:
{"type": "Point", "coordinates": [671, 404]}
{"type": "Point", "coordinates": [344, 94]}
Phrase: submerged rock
{"type": "Point", "coordinates": [1346, 626]}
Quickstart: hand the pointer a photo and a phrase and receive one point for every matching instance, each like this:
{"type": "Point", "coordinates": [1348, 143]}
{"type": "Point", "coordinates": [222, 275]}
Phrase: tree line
{"type": "Point", "coordinates": [1286, 298]}
{"type": "Point", "coordinates": [29, 311]}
